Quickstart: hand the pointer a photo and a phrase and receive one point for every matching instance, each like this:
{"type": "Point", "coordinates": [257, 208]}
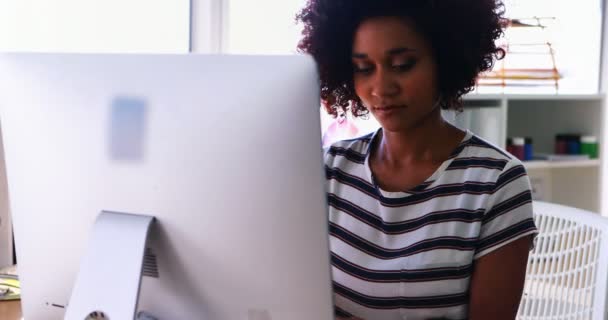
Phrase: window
{"type": "Point", "coordinates": [573, 31]}
{"type": "Point", "coordinates": [262, 27]}
{"type": "Point", "coordinates": [95, 26]}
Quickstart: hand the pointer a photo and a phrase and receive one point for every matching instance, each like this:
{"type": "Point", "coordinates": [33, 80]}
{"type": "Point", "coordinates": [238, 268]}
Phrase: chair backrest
{"type": "Point", "coordinates": [567, 272]}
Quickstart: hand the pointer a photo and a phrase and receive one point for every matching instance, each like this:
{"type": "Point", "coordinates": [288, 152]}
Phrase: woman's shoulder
{"type": "Point", "coordinates": [483, 161]}
{"type": "Point", "coordinates": [353, 150]}
{"type": "Point", "coordinates": [479, 148]}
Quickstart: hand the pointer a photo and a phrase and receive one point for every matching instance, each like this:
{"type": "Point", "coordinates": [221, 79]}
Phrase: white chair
{"type": "Point", "coordinates": [567, 272]}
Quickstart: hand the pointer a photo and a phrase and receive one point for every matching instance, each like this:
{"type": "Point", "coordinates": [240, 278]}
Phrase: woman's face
{"type": "Point", "coordinates": [395, 73]}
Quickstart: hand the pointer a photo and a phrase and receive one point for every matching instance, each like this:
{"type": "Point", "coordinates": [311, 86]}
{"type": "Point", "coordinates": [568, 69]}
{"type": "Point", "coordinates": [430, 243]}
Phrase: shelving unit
{"type": "Point", "coordinates": [496, 117]}
{"type": "Point", "coordinates": [539, 164]}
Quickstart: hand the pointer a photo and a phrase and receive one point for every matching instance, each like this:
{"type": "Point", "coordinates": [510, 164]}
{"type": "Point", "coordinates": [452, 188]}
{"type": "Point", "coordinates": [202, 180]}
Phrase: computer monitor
{"type": "Point", "coordinates": [225, 153]}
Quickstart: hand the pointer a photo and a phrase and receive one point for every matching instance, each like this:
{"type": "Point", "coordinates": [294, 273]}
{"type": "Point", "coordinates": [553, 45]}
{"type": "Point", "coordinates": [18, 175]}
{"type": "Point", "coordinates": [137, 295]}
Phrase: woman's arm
{"type": "Point", "coordinates": [498, 281]}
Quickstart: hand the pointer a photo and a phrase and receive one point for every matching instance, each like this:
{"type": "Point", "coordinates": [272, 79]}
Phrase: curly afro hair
{"type": "Point", "coordinates": [462, 34]}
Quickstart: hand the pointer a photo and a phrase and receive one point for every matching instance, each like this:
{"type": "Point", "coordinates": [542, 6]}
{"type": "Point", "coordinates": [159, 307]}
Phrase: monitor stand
{"type": "Point", "coordinates": [108, 282]}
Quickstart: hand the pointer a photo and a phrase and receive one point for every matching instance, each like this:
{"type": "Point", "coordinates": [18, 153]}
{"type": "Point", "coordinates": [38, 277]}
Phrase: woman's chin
{"type": "Point", "coordinates": [393, 126]}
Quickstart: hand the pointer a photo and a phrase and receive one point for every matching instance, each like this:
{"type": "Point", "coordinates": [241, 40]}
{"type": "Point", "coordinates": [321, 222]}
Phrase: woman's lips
{"type": "Point", "coordinates": [388, 109]}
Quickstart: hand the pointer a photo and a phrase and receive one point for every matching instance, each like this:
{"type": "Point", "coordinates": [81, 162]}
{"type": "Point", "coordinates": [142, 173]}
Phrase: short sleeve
{"type": "Point", "coordinates": [509, 215]}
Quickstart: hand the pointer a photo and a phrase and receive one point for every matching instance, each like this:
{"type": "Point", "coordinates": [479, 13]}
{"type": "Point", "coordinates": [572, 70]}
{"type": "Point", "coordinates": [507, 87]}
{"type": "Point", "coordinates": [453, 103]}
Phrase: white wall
{"type": "Point", "coordinates": [252, 28]}
{"type": "Point", "coordinates": [208, 25]}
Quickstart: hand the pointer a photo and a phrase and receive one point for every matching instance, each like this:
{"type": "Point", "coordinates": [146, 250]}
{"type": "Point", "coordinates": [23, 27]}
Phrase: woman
{"type": "Point", "coordinates": [426, 221]}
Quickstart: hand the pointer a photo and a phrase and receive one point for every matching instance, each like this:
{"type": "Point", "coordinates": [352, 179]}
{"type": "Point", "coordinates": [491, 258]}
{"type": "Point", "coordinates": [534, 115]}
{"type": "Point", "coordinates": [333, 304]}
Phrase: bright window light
{"type": "Point", "coordinates": [131, 26]}
{"type": "Point", "coordinates": [263, 26]}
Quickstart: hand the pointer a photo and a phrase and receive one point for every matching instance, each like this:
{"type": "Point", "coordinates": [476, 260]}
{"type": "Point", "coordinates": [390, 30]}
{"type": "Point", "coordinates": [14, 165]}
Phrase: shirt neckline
{"type": "Point", "coordinates": [427, 182]}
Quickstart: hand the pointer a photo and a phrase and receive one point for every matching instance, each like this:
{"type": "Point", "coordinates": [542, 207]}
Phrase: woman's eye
{"type": "Point", "coordinates": [358, 69]}
{"type": "Point", "coordinates": [405, 66]}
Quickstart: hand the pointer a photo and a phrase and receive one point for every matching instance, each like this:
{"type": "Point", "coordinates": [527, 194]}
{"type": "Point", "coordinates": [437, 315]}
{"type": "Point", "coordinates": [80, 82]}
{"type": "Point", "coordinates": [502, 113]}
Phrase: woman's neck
{"type": "Point", "coordinates": [430, 141]}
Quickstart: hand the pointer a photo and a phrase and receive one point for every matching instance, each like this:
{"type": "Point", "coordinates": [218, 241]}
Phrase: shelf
{"type": "Point", "coordinates": [540, 164]}
{"type": "Point", "coordinates": [509, 96]}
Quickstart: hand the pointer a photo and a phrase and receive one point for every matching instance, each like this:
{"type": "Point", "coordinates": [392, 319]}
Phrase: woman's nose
{"type": "Point", "coordinates": [384, 85]}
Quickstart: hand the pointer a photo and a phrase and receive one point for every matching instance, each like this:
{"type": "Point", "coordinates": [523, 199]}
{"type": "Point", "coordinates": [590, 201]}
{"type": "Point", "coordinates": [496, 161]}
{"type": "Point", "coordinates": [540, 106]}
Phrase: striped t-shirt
{"type": "Point", "coordinates": [409, 255]}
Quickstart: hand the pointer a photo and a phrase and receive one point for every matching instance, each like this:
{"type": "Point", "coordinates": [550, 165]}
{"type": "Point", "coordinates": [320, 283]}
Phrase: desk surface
{"type": "Point", "coordinates": [10, 310]}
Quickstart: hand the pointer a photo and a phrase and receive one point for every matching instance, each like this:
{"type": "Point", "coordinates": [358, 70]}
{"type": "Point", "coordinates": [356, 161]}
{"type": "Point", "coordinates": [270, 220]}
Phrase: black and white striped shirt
{"type": "Point", "coordinates": [409, 255]}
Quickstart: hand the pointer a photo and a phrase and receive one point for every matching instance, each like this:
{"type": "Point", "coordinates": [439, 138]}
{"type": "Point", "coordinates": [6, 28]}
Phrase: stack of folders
{"type": "Point", "coordinates": [561, 157]}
